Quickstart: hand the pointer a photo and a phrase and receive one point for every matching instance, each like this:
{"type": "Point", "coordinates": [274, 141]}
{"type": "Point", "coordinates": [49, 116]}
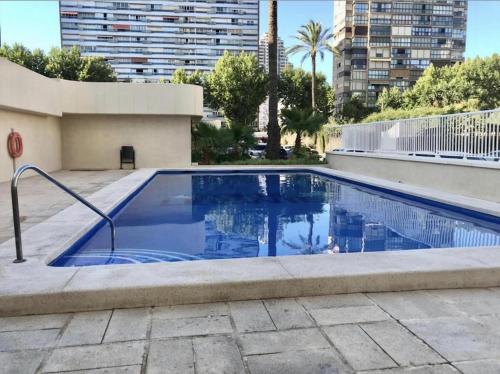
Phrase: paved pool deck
{"type": "Point", "coordinates": [419, 332]}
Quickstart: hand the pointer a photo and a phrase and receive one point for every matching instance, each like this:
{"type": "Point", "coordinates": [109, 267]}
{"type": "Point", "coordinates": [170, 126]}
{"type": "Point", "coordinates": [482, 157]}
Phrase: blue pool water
{"type": "Point", "coordinates": [194, 215]}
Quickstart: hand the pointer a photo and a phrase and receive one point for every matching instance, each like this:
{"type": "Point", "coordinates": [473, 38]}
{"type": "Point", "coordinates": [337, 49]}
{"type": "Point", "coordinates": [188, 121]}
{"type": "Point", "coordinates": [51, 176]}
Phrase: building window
{"type": "Point", "coordinates": [381, 7]}
{"type": "Point", "coordinates": [421, 31]}
{"type": "Point", "coordinates": [378, 74]}
{"type": "Point", "coordinates": [361, 8]}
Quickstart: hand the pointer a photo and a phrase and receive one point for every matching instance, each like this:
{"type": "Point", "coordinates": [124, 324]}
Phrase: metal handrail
{"type": "Point", "coordinates": [15, 207]}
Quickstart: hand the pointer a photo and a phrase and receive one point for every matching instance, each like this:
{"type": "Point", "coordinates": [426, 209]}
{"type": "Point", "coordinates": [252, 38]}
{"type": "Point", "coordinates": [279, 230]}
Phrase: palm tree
{"type": "Point", "coordinates": [273, 130]}
{"type": "Point", "coordinates": [301, 122]}
{"type": "Point", "coordinates": [313, 41]}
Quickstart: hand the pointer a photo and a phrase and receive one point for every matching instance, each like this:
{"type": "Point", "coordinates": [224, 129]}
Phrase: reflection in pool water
{"type": "Point", "coordinates": [193, 216]}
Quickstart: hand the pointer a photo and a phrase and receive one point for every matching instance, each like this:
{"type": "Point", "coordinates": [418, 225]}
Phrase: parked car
{"type": "Point", "coordinates": [258, 151]}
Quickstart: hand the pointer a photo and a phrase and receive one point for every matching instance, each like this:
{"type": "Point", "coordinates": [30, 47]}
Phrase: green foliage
{"type": "Point", "coordinates": [390, 99]}
{"type": "Point", "coordinates": [392, 114]}
{"type": "Point", "coordinates": [294, 90]}
{"type": "Point", "coordinates": [301, 122]}
{"type": "Point", "coordinates": [60, 63]}
{"type": "Point", "coordinates": [96, 69]}
{"type": "Point", "coordinates": [197, 78]}
{"type": "Point", "coordinates": [64, 63]}
{"type": "Point", "coordinates": [237, 85]}
{"type": "Point", "coordinates": [312, 41]}
{"type": "Point", "coordinates": [36, 61]}
{"type": "Point", "coordinates": [353, 111]}
{"type": "Point", "coordinates": [209, 143]}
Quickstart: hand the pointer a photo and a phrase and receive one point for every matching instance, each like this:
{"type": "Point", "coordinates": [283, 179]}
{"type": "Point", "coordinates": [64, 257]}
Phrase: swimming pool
{"type": "Point", "coordinates": [181, 216]}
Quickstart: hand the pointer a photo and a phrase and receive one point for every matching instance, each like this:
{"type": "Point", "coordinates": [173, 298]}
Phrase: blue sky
{"type": "Point", "coordinates": [36, 24]}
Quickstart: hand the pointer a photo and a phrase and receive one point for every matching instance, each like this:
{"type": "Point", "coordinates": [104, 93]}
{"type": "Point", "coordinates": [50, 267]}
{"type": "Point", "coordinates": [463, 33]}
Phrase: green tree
{"type": "Point", "coordinates": [353, 111]}
{"type": "Point", "coordinates": [273, 132]}
{"type": "Point", "coordinates": [237, 86]}
{"type": "Point", "coordinates": [39, 61]}
{"type": "Point", "coordinates": [313, 41]}
{"type": "Point", "coordinates": [36, 60]}
{"type": "Point", "coordinates": [301, 122]}
{"type": "Point", "coordinates": [390, 99]}
{"type": "Point", "coordinates": [96, 69]}
{"type": "Point", "coordinates": [295, 91]}
{"type": "Point", "coordinates": [208, 142]}
{"type": "Point", "coordinates": [64, 63]}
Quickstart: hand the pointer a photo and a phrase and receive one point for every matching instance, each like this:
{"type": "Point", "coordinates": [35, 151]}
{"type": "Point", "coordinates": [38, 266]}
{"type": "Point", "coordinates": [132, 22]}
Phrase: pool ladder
{"type": "Point", "coordinates": [15, 206]}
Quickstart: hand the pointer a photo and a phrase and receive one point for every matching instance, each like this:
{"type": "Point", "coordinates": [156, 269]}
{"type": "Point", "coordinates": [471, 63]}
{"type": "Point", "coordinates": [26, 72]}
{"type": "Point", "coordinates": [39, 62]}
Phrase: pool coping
{"type": "Point", "coordinates": [35, 288]}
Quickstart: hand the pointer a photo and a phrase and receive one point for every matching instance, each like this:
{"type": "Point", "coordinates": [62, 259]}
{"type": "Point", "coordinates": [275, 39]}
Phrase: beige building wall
{"type": "Point", "coordinates": [41, 140]}
{"type": "Point", "coordinates": [94, 141]}
{"type": "Point", "coordinates": [452, 176]}
{"type": "Point", "coordinates": [82, 125]}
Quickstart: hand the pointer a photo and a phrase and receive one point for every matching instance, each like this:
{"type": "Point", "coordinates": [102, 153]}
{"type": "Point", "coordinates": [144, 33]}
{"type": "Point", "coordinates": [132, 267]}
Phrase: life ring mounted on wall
{"type": "Point", "coordinates": [15, 144]}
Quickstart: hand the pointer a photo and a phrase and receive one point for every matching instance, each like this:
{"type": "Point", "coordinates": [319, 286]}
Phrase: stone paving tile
{"type": "Point", "coordinates": [95, 356]}
{"type": "Point", "coordinates": [471, 301]}
{"type": "Point", "coordinates": [190, 311]}
{"type": "Point", "coordinates": [414, 304]}
{"type": "Point", "coordinates": [172, 356]}
{"type": "Point", "coordinates": [128, 324]}
{"type": "Point", "coordinates": [217, 354]}
{"type": "Point", "coordinates": [281, 341]}
{"type": "Point", "coordinates": [335, 301]}
{"type": "Point", "coordinates": [134, 369]}
{"type": "Point", "coordinates": [433, 369]}
{"type": "Point", "coordinates": [40, 322]}
{"type": "Point", "coordinates": [317, 361]}
{"type": "Point", "coordinates": [457, 339]}
{"type": "Point", "coordinates": [491, 366]}
{"type": "Point", "coordinates": [355, 314]}
{"type": "Point", "coordinates": [167, 328]}
{"type": "Point", "coordinates": [288, 314]}
{"type": "Point", "coordinates": [85, 328]}
{"type": "Point", "coordinates": [251, 316]}
{"type": "Point", "coordinates": [25, 362]}
{"type": "Point", "coordinates": [32, 339]}
{"type": "Point", "coordinates": [401, 345]}
{"type": "Point", "coordinates": [358, 348]}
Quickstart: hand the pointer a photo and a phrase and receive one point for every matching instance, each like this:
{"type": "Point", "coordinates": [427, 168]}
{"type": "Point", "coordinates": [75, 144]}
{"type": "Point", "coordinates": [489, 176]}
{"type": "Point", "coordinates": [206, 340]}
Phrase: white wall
{"type": "Point", "coordinates": [468, 178]}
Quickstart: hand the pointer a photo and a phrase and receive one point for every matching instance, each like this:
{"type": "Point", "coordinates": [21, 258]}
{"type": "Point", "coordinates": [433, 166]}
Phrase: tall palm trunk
{"type": "Point", "coordinates": [273, 130]}
{"type": "Point", "coordinates": [313, 80]}
{"type": "Point", "coordinates": [298, 142]}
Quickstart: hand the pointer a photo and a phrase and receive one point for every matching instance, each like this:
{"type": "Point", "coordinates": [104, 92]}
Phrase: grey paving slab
{"type": "Point", "coordinates": [25, 362]}
{"type": "Point", "coordinates": [471, 301]}
{"type": "Point", "coordinates": [335, 301]}
{"type": "Point", "coordinates": [288, 314]}
{"type": "Point", "coordinates": [217, 355]}
{"type": "Point", "coordinates": [354, 314]}
{"type": "Point", "coordinates": [167, 328]}
{"type": "Point", "coordinates": [491, 366]}
{"type": "Point", "coordinates": [31, 339]}
{"type": "Point", "coordinates": [317, 361]}
{"type": "Point", "coordinates": [428, 369]}
{"type": "Point", "coordinates": [95, 356]}
{"type": "Point", "coordinates": [172, 356]}
{"type": "Point", "coordinates": [251, 316]}
{"type": "Point", "coordinates": [37, 322]}
{"type": "Point", "coordinates": [415, 304]}
{"type": "Point", "coordinates": [192, 310]}
{"type": "Point", "coordinates": [457, 338]}
{"type": "Point", "coordinates": [358, 348]}
{"type": "Point", "coordinates": [134, 369]}
{"type": "Point", "coordinates": [86, 328]}
{"type": "Point", "coordinates": [401, 345]}
{"type": "Point", "coordinates": [128, 324]}
{"type": "Point", "coordinates": [282, 341]}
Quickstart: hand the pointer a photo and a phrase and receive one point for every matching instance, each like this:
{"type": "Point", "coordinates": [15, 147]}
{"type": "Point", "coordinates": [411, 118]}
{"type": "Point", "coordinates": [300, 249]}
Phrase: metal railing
{"type": "Point", "coordinates": [473, 135]}
{"type": "Point", "coordinates": [15, 207]}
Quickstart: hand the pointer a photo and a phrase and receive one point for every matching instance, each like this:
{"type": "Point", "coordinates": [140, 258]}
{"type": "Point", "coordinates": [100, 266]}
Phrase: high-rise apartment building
{"type": "Point", "coordinates": [264, 54]}
{"type": "Point", "coordinates": [386, 43]}
{"type": "Point", "coordinates": [146, 40]}
{"type": "Point", "coordinates": [264, 62]}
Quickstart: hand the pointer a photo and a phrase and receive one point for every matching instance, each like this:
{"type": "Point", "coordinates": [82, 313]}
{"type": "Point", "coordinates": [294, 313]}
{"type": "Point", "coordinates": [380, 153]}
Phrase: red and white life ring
{"type": "Point", "coordinates": [15, 144]}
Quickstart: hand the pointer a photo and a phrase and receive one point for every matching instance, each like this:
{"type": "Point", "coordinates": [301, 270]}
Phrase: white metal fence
{"type": "Point", "coordinates": [465, 135]}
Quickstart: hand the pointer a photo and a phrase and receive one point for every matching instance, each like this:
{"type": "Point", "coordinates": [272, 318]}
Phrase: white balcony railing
{"type": "Point", "coordinates": [473, 135]}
